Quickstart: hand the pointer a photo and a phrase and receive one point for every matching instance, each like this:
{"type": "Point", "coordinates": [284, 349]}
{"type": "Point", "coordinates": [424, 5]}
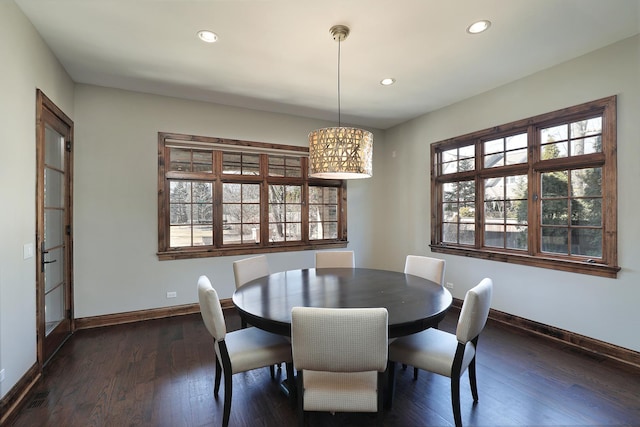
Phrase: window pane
{"type": "Point", "coordinates": [555, 240]}
{"type": "Point", "coordinates": [554, 212]}
{"type": "Point", "coordinates": [586, 212]}
{"type": "Point", "coordinates": [180, 236]}
{"type": "Point", "coordinates": [250, 193]}
{"type": "Point", "coordinates": [555, 184]}
{"type": "Point", "coordinates": [586, 182]}
{"type": "Point", "coordinates": [232, 234]}
{"type": "Point", "coordinates": [554, 151]}
{"type": "Point", "coordinates": [450, 232]}
{"type": "Point", "coordinates": [202, 235]}
{"type": "Point", "coordinates": [202, 161]}
{"type": "Point", "coordinates": [180, 159]}
{"type": "Point", "coordinates": [553, 134]}
{"type": "Point", "coordinates": [232, 193]}
{"type": "Point", "coordinates": [586, 242]}
{"type": "Point", "coordinates": [586, 145]}
{"type": "Point", "coordinates": [179, 191]}
{"type": "Point", "coordinates": [586, 127]}
{"type": "Point", "coordinates": [232, 163]}
{"type": "Point", "coordinates": [202, 192]}
{"type": "Point", "coordinates": [250, 213]}
{"type": "Point", "coordinates": [517, 156]}
{"type": "Point", "coordinates": [467, 234]}
{"type": "Point", "coordinates": [517, 237]}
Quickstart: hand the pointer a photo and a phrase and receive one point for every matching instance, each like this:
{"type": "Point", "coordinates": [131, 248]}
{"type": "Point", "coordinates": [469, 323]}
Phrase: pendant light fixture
{"type": "Point", "coordinates": [340, 152]}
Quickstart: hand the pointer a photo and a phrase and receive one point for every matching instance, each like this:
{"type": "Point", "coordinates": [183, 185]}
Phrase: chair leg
{"type": "Point", "coordinates": [300, 394]}
{"type": "Point", "coordinates": [272, 371]}
{"type": "Point", "coordinates": [472, 379]}
{"type": "Point", "coordinates": [381, 380]}
{"type": "Point", "coordinates": [391, 384]}
{"type": "Point", "coordinates": [291, 384]}
{"type": "Point", "coordinates": [216, 387]}
{"type": "Point", "coordinates": [415, 373]}
{"type": "Point", "coordinates": [228, 391]}
{"type": "Point", "coordinates": [455, 400]}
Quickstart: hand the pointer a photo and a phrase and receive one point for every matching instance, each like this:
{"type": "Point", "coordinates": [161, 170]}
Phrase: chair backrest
{"type": "Point", "coordinates": [211, 309]}
{"type": "Point", "coordinates": [425, 267]}
{"type": "Point", "coordinates": [475, 310]}
{"type": "Point", "coordinates": [335, 259]}
{"type": "Point", "coordinates": [248, 269]}
{"type": "Point", "coordinates": [339, 339]}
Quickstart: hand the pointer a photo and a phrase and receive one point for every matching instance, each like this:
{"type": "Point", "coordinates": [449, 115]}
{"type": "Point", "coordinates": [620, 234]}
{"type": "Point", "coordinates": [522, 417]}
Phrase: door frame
{"type": "Point", "coordinates": [48, 113]}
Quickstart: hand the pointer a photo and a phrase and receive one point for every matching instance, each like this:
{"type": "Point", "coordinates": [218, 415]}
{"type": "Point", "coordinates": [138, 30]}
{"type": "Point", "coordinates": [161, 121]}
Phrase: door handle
{"type": "Point", "coordinates": [43, 252]}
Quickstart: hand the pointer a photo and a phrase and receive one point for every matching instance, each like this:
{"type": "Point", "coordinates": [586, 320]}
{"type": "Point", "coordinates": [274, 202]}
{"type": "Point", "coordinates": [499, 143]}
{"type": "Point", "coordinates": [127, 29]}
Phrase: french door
{"type": "Point", "coordinates": [54, 254]}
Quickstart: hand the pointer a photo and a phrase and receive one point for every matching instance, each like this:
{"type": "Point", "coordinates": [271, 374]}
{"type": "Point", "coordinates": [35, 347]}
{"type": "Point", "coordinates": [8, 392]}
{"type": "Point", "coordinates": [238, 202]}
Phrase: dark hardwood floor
{"type": "Point", "coordinates": [160, 373]}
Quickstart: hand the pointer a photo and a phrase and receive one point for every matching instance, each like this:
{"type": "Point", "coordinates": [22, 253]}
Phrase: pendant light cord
{"type": "Point", "coordinates": [339, 122]}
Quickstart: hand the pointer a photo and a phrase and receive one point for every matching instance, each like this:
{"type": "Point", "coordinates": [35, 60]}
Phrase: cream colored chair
{"type": "Point", "coordinates": [238, 351]}
{"type": "Point", "coordinates": [246, 270]}
{"type": "Point", "coordinates": [427, 268]}
{"type": "Point", "coordinates": [445, 353]}
{"type": "Point", "coordinates": [335, 259]}
{"type": "Point", "coordinates": [340, 356]}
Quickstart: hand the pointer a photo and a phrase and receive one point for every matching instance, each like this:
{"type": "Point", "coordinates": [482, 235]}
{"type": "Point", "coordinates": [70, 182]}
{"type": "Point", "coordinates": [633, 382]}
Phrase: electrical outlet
{"type": "Point", "coordinates": [172, 294]}
{"type": "Point", "coordinates": [1, 375]}
{"type": "Point", "coordinates": [448, 285]}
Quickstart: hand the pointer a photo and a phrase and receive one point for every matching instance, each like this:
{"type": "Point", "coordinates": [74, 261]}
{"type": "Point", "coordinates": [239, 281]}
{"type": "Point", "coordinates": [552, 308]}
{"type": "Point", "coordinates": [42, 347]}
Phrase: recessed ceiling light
{"type": "Point", "coordinates": [388, 81]}
{"type": "Point", "coordinates": [208, 36]}
{"type": "Point", "coordinates": [478, 27]}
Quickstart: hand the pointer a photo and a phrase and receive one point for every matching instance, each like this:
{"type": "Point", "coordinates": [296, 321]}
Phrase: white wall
{"type": "Point", "coordinates": [604, 309]}
{"type": "Point", "coordinates": [116, 168]}
{"type": "Point", "coordinates": [27, 64]}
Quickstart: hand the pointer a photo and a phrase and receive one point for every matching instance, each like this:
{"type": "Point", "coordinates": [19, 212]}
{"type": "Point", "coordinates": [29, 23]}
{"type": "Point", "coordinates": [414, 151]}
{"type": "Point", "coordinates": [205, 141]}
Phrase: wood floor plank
{"type": "Point", "coordinates": [161, 372]}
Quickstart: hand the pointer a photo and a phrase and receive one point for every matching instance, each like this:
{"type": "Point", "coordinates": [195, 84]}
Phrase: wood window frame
{"type": "Point", "coordinates": [606, 266]}
{"type": "Point", "coordinates": [166, 141]}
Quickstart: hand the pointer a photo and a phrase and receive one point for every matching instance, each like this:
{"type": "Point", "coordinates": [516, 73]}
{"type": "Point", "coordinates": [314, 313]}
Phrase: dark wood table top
{"type": "Point", "coordinates": [414, 304]}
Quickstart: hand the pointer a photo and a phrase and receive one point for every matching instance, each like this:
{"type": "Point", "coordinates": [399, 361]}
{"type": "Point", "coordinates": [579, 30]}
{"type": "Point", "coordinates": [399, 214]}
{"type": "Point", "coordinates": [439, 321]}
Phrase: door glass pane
{"type": "Point", "coordinates": [53, 272]}
{"type": "Point", "coordinates": [54, 148]}
{"type": "Point", "coordinates": [53, 227]}
{"type": "Point", "coordinates": [53, 308]}
{"type": "Point", "coordinates": [53, 188]}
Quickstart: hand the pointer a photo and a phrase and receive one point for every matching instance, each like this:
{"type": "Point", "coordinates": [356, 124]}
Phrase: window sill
{"type": "Point", "coordinates": [582, 267]}
{"type": "Point", "coordinates": [206, 252]}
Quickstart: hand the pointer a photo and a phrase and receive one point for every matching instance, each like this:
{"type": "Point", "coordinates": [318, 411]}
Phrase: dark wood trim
{"type": "Point", "coordinates": [140, 315]}
{"type": "Point", "coordinates": [586, 345]}
{"type": "Point", "coordinates": [13, 401]}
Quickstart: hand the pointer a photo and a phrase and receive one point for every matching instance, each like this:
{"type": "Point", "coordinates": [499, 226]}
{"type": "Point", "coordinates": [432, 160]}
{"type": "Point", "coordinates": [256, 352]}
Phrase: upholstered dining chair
{"type": "Point", "coordinates": [445, 353]}
{"type": "Point", "coordinates": [335, 259]}
{"type": "Point", "coordinates": [238, 351]}
{"type": "Point", "coordinates": [425, 267]}
{"type": "Point", "coordinates": [248, 269]}
{"type": "Point", "coordinates": [340, 356]}
{"type": "Point", "coordinates": [428, 268]}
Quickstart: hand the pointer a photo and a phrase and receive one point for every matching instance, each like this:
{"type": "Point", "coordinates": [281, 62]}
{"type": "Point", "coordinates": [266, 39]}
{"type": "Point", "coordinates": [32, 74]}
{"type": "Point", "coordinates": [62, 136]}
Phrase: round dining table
{"type": "Point", "coordinates": [413, 303]}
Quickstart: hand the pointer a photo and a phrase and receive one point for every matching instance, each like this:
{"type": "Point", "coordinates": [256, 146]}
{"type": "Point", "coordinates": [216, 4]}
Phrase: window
{"type": "Point", "coordinates": [540, 191]}
{"type": "Point", "coordinates": [224, 197]}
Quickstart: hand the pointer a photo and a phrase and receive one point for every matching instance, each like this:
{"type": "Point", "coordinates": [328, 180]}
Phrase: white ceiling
{"type": "Point", "coordinates": [278, 55]}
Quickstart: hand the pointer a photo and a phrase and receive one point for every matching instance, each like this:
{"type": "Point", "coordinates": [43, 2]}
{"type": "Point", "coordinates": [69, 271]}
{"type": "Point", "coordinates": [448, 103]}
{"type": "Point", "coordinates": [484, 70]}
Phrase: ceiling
{"type": "Point", "coordinates": [278, 55]}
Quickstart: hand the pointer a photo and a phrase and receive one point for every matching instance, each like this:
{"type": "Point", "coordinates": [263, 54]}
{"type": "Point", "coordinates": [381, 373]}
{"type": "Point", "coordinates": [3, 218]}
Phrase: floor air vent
{"type": "Point", "coordinates": [38, 399]}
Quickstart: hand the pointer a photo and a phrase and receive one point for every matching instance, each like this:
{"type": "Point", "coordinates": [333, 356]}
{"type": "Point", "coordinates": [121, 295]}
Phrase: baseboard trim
{"type": "Point", "coordinates": [140, 315]}
{"type": "Point", "coordinates": [12, 402]}
{"type": "Point", "coordinates": [587, 345]}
